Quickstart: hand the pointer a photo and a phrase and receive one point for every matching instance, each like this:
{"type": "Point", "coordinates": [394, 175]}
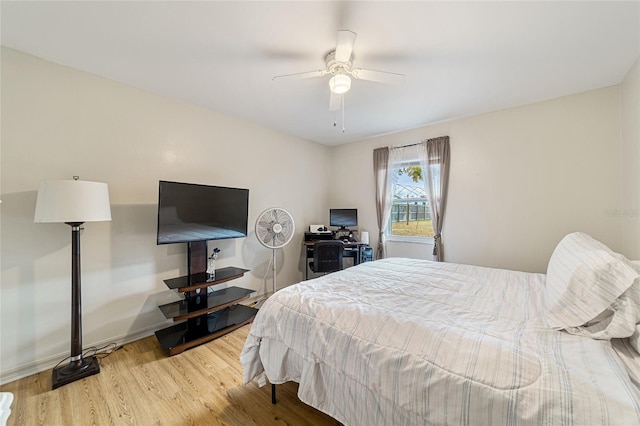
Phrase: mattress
{"type": "Point", "coordinates": [408, 342]}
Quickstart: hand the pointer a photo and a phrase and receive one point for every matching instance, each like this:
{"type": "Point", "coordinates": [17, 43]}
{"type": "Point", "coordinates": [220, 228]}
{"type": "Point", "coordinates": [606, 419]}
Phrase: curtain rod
{"type": "Point", "coordinates": [407, 146]}
{"type": "Point", "coordinates": [418, 143]}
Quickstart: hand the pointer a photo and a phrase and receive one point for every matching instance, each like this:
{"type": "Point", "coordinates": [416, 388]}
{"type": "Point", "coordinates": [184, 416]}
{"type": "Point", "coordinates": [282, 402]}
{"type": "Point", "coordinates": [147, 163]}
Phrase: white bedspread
{"type": "Point", "coordinates": [408, 342]}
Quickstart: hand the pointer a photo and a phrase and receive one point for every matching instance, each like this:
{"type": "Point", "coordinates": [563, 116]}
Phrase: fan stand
{"type": "Point", "coordinates": [277, 228]}
{"type": "Point", "coordinates": [274, 229]}
{"type": "Point", "coordinates": [274, 269]}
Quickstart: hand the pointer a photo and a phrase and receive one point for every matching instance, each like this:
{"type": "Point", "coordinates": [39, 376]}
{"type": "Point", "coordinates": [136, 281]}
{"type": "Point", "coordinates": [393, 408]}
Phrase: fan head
{"type": "Point", "coordinates": [275, 227]}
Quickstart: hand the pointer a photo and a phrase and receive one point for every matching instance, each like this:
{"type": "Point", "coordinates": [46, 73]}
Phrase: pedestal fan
{"type": "Point", "coordinates": [274, 230]}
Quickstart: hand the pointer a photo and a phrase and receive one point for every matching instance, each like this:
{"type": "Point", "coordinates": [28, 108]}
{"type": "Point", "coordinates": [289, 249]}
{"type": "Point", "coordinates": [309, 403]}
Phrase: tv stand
{"type": "Point", "coordinates": [205, 315]}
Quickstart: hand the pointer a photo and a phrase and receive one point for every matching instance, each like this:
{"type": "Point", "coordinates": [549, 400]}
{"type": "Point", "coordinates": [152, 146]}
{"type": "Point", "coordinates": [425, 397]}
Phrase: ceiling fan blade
{"type": "Point", "coordinates": [344, 47]}
{"type": "Point", "coordinates": [301, 75]}
{"type": "Point", "coordinates": [378, 76]}
{"type": "Point", "coordinates": [335, 102]}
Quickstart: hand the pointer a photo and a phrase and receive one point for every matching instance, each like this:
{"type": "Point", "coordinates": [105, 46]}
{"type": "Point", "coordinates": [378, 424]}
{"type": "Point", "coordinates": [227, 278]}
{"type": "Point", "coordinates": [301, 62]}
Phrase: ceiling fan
{"type": "Point", "coordinates": [339, 66]}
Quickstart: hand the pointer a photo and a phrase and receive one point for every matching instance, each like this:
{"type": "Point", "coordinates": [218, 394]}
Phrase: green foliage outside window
{"type": "Point", "coordinates": [415, 172]}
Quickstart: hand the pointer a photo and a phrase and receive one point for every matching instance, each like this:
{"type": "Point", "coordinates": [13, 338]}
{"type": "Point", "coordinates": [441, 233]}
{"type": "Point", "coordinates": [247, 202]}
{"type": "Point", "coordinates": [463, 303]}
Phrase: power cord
{"type": "Point", "coordinates": [97, 352]}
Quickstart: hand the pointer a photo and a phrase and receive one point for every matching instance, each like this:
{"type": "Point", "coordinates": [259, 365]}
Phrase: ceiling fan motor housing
{"type": "Point", "coordinates": [334, 67]}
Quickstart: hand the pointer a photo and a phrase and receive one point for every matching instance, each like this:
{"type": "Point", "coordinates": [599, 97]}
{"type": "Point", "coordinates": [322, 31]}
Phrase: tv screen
{"type": "Point", "coordinates": [343, 218]}
{"type": "Point", "coordinates": [191, 212]}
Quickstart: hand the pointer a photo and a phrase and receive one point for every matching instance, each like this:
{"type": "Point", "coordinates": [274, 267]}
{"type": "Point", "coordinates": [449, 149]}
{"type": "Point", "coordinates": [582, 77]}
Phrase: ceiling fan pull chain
{"type": "Point", "coordinates": [342, 100]}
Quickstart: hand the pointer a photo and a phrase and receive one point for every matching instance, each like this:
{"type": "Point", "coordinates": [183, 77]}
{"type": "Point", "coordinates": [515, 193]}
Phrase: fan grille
{"type": "Point", "coordinates": [275, 228]}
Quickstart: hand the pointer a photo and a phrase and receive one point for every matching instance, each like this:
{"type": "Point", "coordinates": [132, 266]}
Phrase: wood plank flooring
{"type": "Point", "coordinates": [139, 385]}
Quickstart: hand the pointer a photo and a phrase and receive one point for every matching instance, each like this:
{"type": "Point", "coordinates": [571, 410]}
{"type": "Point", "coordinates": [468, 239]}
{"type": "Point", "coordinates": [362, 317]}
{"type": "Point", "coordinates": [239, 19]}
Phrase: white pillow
{"type": "Point", "coordinates": [584, 278]}
{"type": "Point", "coordinates": [620, 320]}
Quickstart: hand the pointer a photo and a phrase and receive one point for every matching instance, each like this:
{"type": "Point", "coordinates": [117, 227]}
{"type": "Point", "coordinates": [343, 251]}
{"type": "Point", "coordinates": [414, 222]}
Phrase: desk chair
{"type": "Point", "coordinates": [327, 256]}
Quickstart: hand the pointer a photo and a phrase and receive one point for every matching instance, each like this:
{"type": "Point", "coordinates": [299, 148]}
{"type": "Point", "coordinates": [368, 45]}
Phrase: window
{"type": "Point", "coordinates": [410, 212]}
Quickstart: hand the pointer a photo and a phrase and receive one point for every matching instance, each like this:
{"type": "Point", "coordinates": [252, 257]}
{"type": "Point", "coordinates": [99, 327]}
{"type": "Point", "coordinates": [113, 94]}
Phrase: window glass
{"type": "Point", "coordinates": [410, 213]}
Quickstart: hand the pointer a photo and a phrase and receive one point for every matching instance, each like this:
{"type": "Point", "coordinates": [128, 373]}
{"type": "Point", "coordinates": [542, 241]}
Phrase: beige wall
{"type": "Point", "coordinates": [58, 122]}
{"type": "Point", "coordinates": [630, 161]}
{"type": "Point", "coordinates": [520, 180]}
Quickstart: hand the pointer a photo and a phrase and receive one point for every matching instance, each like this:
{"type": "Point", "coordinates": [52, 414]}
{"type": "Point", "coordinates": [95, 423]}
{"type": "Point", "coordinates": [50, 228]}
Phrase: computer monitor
{"type": "Point", "coordinates": [343, 218]}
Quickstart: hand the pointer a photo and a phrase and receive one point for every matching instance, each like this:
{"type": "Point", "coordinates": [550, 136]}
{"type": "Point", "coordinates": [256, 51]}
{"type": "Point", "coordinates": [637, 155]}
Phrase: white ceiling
{"type": "Point", "coordinates": [460, 58]}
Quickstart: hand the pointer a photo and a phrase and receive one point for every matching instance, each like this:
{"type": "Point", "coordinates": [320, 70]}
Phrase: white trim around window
{"type": "Point", "coordinates": [408, 239]}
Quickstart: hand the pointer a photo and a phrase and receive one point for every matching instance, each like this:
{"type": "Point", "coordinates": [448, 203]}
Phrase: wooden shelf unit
{"type": "Point", "coordinates": [206, 315]}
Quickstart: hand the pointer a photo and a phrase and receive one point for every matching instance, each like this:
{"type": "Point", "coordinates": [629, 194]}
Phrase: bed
{"type": "Point", "coordinates": [410, 342]}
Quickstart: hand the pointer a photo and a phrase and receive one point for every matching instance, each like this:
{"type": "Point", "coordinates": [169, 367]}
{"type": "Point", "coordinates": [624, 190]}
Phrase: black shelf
{"type": "Point", "coordinates": [205, 315]}
{"type": "Point", "coordinates": [201, 280]}
{"type": "Point", "coordinates": [199, 305]}
{"type": "Point", "coordinates": [201, 329]}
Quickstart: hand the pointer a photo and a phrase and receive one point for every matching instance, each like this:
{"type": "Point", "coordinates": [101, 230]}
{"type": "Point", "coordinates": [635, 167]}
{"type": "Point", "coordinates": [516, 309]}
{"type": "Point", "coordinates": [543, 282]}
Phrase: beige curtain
{"type": "Point", "coordinates": [383, 159]}
{"type": "Point", "coordinates": [434, 156]}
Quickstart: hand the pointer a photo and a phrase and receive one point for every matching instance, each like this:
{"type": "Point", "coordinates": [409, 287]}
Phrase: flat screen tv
{"type": "Point", "coordinates": [343, 218]}
{"type": "Point", "coordinates": [190, 212]}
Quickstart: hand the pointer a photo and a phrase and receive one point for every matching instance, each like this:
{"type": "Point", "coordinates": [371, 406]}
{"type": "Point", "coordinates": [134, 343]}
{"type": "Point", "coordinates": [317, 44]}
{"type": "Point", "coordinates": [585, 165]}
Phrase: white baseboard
{"type": "Point", "coordinates": [51, 361]}
{"type": "Point", "coordinates": [255, 298]}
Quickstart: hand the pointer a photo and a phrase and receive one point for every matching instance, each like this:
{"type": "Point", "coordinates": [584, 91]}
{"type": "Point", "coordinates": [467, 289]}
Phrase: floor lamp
{"type": "Point", "coordinates": [73, 202]}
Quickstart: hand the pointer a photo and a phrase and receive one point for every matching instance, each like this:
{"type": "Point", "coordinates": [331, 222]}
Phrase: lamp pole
{"type": "Point", "coordinates": [78, 366]}
{"type": "Point", "coordinates": [76, 297]}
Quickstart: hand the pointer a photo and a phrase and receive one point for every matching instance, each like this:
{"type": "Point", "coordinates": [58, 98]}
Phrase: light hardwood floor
{"type": "Point", "coordinates": [139, 385]}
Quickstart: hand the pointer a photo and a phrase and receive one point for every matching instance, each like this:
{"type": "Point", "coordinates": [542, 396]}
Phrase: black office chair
{"type": "Point", "coordinates": [327, 256]}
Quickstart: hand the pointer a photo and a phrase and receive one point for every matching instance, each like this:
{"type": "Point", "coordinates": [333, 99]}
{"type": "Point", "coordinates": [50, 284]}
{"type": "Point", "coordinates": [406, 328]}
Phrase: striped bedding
{"type": "Point", "coordinates": [411, 342]}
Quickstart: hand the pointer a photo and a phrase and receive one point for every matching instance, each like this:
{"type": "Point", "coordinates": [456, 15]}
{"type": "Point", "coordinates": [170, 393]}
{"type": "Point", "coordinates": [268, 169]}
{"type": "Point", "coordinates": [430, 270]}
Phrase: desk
{"type": "Point", "coordinates": [351, 250]}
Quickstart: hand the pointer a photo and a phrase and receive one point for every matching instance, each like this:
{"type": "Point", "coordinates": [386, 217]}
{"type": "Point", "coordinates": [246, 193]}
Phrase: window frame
{"type": "Point", "coordinates": [406, 238]}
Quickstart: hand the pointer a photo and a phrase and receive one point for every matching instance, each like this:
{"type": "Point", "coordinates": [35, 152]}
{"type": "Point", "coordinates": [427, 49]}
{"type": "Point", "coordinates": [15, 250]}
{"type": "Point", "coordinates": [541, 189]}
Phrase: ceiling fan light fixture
{"type": "Point", "coordinates": [340, 83]}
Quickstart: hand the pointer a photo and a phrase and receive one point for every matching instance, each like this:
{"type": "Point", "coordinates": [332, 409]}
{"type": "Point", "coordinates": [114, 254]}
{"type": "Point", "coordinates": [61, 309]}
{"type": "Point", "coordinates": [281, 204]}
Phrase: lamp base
{"type": "Point", "coordinates": [75, 370]}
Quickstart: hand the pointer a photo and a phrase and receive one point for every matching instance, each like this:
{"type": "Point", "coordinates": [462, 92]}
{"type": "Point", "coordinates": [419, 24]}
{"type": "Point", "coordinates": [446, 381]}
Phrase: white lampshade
{"type": "Point", "coordinates": [72, 201]}
{"type": "Point", "coordinates": [340, 83]}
